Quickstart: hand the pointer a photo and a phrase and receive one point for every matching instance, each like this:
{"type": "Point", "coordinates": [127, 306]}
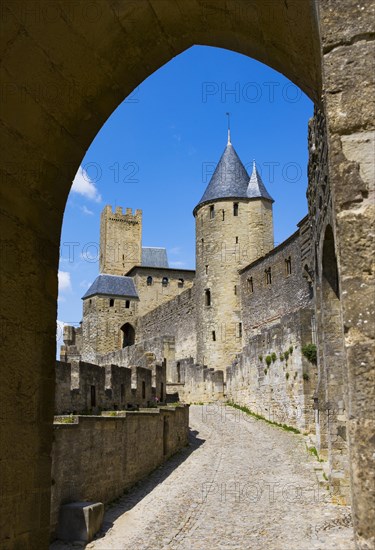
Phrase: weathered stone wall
{"type": "Point", "coordinates": [197, 383]}
{"type": "Point", "coordinates": [120, 240]}
{"type": "Point", "coordinates": [98, 458]}
{"type": "Point", "coordinates": [101, 324]}
{"type": "Point", "coordinates": [175, 319]}
{"type": "Point", "coordinates": [87, 388]}
{"type": "Point", "coordinates": [224, 244]}
{"type": "Point", "coordinates": [153, 295]}
{"type": "Point", "coordinates": [277, 316]}
{"type": "Point", "coordinates": [265, 299]}
{"type": "Point", "coordinates": [282, 390]}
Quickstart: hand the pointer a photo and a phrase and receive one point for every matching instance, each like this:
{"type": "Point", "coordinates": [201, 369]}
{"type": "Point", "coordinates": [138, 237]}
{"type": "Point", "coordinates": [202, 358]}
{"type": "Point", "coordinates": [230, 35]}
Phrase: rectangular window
{"type": "Point", "coordinates": [250, 284]}
{"type": "Point", "coordinates": [212, 211]}
{"type": "Point", "coordinates": [206, 269]}
{"type": "Point", "coordinates": [223, 212]}
{"type": "Point", "coordinates": [235, 290]}
{"type": "Point", "coordinates": [268, 276]}
{"type": "Point", "coordinates": [93, 396]}
{"type": "Point", "coordinates": [239, 330]}
{"type": "Point", "coordinates": [214, 336]}
{"type": "Point", "coordinates": [288, 266]}
{"type": "Point", "coordinates": [207, 296]}
{"type": "Point", "coordinates": [236, 240]}
{"type": "Point", "coordinates": [127, 304]}
{"type": "Point", "coordinates": [235, 209]}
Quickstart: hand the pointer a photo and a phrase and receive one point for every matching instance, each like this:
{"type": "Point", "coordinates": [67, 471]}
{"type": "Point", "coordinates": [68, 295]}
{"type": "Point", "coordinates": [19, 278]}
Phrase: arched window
{"type": "Point", "coordinates": [268, 276]}
{"type": "Point", "coordinates": [111, 302]}
{"type": "Point", "coordinates": [149, 280]}
{"type": "Point", "coordinates": [165, 281]}
{"type": "Point", "coordinates": [212, 211]}
{"type": "Point", "coordinates": [235, 209]}
{"type": "Point", "coordinates": [128, 336]}
{"type": "Point", "coordinates": [207, 297]}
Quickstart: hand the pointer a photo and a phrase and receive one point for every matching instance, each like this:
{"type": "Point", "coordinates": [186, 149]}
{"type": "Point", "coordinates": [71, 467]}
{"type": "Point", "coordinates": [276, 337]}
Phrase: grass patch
{"type": "Point", "coordinates": [260, 417]}
{"type": "Point", "coordinates": [314, 452]}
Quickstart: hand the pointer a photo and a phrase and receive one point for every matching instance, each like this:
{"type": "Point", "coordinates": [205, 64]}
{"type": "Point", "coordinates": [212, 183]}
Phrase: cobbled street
{"type": "Point", "coordinates": [242, 484]}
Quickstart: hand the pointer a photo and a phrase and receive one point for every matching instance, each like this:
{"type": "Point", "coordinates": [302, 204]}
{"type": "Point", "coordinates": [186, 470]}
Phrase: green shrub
{"type": "Point", "coordinates": [268, 360]}
{"type": "Point", "coordinates": [305, 376]}
{"type": "Point", "coordinates": [273, 357]}
{"type": "Point", "coordinates": [295, 375]}
{"type": "Point", "coordinates": [265, 371]}
{"type": "Point", "coordinates": [287, 375]}
{"type": "Point", "coordinates": [282, 357]}
{"type": "Point", "coordinates": [260, 357]}
{"type": "Point", "coordinates": [286, 355]}
{"type": "Point", "coordinates": [309, 351]}
{"type": "Point", "coordinates": [291, 349]}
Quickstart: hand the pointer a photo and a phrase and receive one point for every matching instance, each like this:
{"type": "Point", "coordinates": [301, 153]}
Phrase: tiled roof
{"type": "Point", "coordinates": [112, 285]}
{"type": "Point", "coordinates": [154, 257]}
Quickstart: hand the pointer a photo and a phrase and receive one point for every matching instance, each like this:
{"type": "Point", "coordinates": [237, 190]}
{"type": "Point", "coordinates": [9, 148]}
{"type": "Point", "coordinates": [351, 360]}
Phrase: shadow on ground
{"type": "Point", "coordinates": [141, 489]}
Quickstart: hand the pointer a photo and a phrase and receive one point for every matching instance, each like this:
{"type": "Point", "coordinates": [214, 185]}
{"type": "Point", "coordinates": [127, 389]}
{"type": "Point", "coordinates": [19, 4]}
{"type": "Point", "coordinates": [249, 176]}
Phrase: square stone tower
{"type": "Point", "coordinates": [120, 240]}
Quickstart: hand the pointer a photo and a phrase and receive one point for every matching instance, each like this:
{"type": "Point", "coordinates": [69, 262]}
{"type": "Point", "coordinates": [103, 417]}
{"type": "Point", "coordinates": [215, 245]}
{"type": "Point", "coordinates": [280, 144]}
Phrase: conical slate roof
{"type": "Point", "coordinates": [256, 187]}
{"type": "Point", "coordinates": [231, 181]}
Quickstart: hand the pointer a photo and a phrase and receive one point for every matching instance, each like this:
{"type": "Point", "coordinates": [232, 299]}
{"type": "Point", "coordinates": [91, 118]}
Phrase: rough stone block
{"type": "Point", "coordinates": [80, 521]}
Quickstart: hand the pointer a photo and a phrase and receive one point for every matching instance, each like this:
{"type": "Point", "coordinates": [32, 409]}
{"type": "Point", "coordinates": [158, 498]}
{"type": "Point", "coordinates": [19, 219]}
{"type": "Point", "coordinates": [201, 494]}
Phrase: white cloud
{"type": "Point", "coordinates": [65, 283]}
{"type": "Point", "coordinates": [175, 250]}
{"type": "Point", "coordinates": [83, 185]}
{"type": "Point", "coordinates": [86, 211]}
{"type": "Point", "coordinates": [60, 332]}
{"type": "Point", "coordinates": [177, 264]}
{"type": "Point", "coordinates": [84, 284]}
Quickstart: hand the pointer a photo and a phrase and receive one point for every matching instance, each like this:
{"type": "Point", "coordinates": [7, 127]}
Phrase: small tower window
{"type": "Point", "coordinates": [207, 297]}
{"type": "Point", "coordinates": [111, 302]}
{"type": "Point", "coordinates": [180, 283]}
{"type": "Point", "coordinates": [206, 269]}
{"type": "Point", "coordinates": [165, 281]}
{"type": "Point", "coordinates": [236, 240]}
{"type": "Point", "coordinates": [214, 336]}
{"type": "Point", "coordinates": [235, 209]}
{"type": "Point", "coordinates": [250, 284]}
{"type": "Point", "coordinates": [288, 266]}
{"type": "Point", "coordinates": [268, 276]}
{"type": "Point", "coordinates": [127, 304]}
{"type": "Point", "coordinates": [90, 302]}
{"type": "Point", "coordinates": [149, 280]}
{"type": "Point", "coordinates": [212, 211]}
{"type": "Point", "coordinates": [239, 330]}
{"type": "Point", "coordinates": [223, 212]}
{"type": "Point", "coordinates": [235, 290]}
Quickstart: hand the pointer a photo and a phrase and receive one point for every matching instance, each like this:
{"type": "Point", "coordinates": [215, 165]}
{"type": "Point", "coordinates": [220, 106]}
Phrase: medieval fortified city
{"type": "Point", "coordinates": [230, 406]}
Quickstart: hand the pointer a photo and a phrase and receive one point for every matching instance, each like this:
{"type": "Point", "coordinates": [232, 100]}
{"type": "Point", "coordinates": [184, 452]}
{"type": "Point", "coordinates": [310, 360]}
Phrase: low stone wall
{"type": "Point", "coordinates": [197, 384]}
{"type": "Point", "coordinates": [98, 458]}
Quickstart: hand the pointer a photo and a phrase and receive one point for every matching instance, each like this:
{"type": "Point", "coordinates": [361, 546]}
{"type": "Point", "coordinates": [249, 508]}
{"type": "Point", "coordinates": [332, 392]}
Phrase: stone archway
{"type": "Point", "coordinates": [65, 69]}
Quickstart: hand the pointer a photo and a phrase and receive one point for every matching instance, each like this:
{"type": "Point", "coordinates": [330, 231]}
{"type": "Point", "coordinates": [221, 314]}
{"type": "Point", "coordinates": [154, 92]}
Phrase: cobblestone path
{"type": "Point", "coordinates": [242, 484]}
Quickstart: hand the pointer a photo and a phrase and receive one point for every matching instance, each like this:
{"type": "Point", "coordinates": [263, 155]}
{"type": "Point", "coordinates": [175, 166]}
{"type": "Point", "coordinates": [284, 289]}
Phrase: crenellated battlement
{"type": "Point", "coordinates": [85, 387]}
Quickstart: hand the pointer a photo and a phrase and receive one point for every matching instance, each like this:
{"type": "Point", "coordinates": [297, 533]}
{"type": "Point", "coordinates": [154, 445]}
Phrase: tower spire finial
{"type": "Point", "coordinates": [228, 115]}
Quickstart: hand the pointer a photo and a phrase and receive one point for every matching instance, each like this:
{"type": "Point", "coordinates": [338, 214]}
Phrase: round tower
{"type": "Point", "coordinates": [234, 227]}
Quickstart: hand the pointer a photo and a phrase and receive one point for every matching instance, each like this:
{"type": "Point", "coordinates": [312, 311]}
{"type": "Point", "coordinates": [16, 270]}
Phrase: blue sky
{"type": "Point", "coordinates": [159, 147]}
